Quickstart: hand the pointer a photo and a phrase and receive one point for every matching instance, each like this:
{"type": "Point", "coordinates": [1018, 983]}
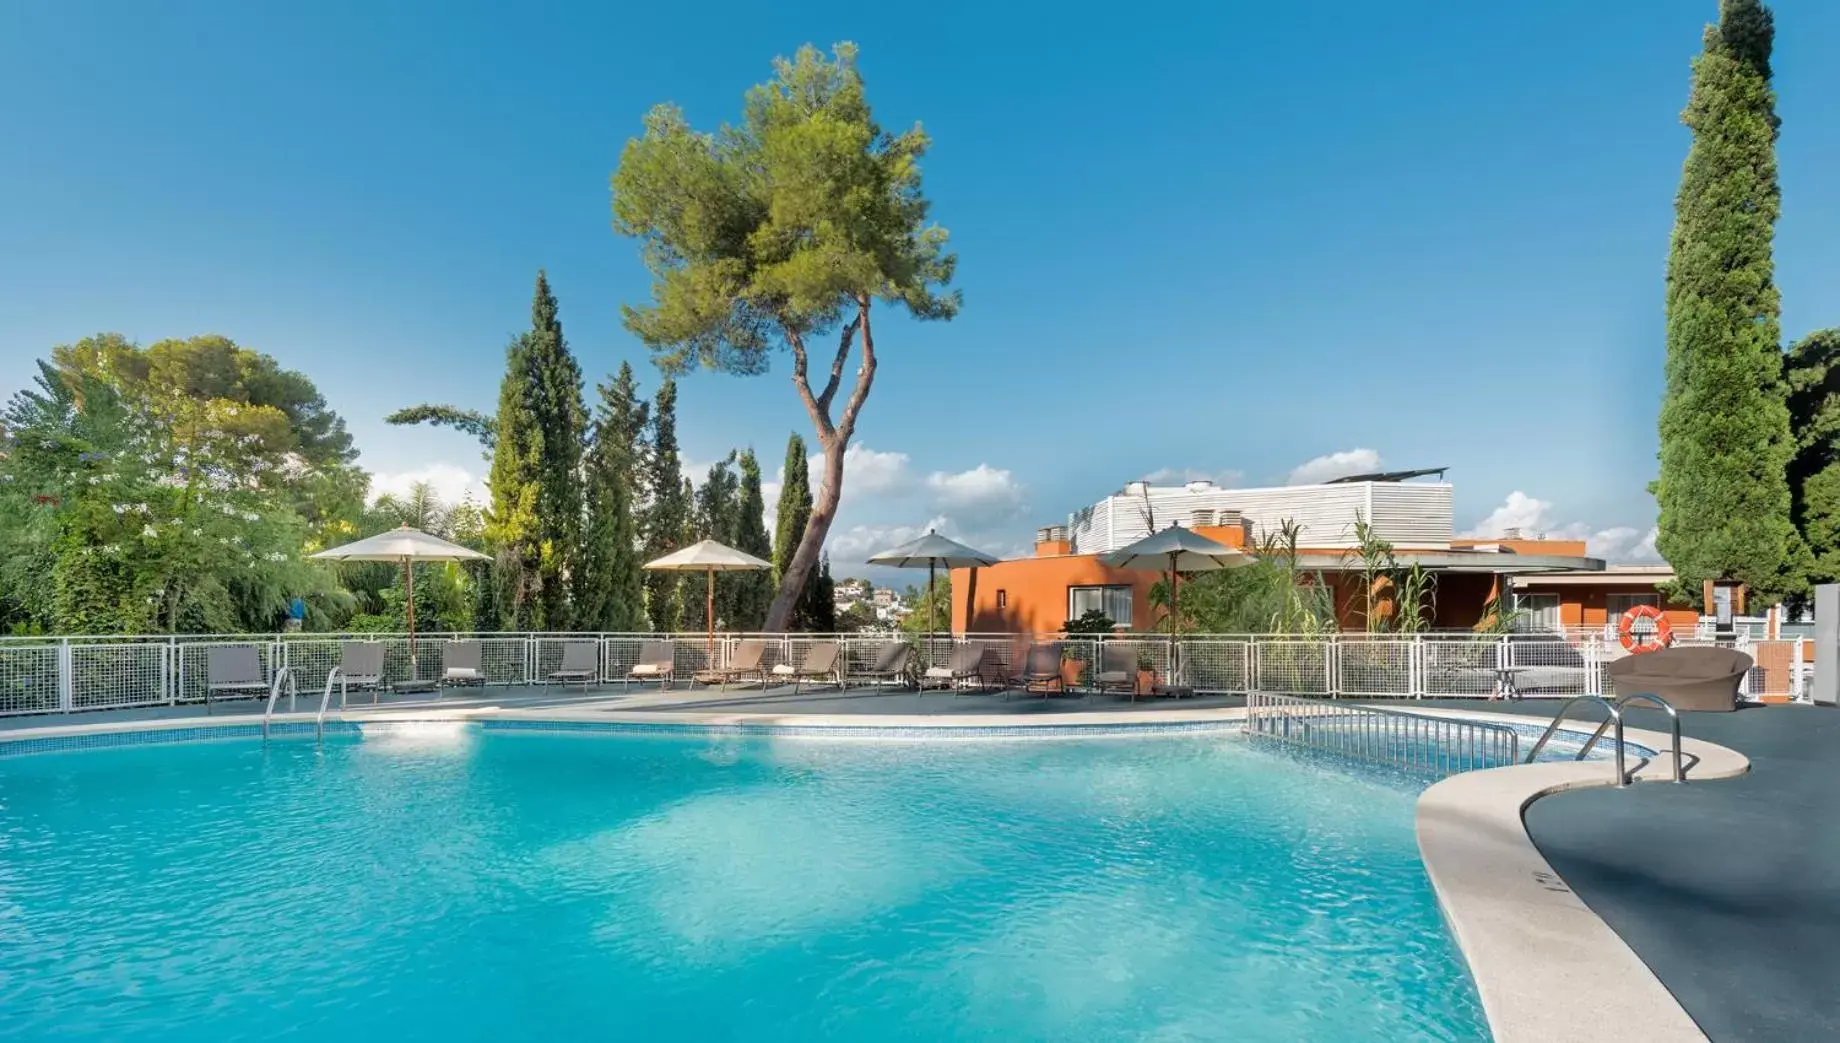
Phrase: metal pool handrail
{"type": "Point", "coordinates": [1659, 703]}
{"type": "Point", "coordinates": [286, 673]}
{"type": "Point", "coordinates": [334, 676]}
{"type": "Point", "coordinates": [1395, 738]}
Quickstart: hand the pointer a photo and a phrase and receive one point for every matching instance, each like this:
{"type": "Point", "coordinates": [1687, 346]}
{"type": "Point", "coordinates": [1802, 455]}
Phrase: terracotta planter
{"type": "Point", "coordinates": [1070, 672]}
{"type": "Point", "coordinates": [1146, 680]}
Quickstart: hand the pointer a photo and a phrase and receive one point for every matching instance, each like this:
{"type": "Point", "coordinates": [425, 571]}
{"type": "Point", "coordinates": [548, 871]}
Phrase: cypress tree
{"type": "Point", "coordinates": [753, 590]}
{"type": "Point", "coordinates": [610, 590]}
{"type": "Point", "coordinates": [794, 510]}
{"type": "Point", "coordinates": [1812, 371]}
{"type": "Point", "coordinates": [715, 520]}
{"type": "Point", "coordinates": [1724, 426]}
{"type": "Point", "coordinates": [818, 604]}
{"type": "Point", "coordinates": [511, 524]}
{"type": "Point", "coordinates": [667, 515]}
{"type": "Point", "coordinates": [561, 421]}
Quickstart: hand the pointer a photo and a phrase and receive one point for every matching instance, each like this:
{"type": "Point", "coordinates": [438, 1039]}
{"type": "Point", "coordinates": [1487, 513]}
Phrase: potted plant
{"type": "Point", "coordinates": [1146, 671]}
{"type": "Point", "coordinates": [1076, 662]}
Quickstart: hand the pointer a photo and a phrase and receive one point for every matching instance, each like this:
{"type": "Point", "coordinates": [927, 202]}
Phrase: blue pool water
{"type": "Point", "coordinates": [443, 883]}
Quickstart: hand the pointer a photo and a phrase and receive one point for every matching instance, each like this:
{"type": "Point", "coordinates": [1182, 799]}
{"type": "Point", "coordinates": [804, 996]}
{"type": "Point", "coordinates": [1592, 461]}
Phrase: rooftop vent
{"type": "Point", "coordinates": [1136, 488]}
{"type": "Point", "coordinates": [1200, 485]}
{"type": "Point", "coordinates": [1511, 534]}
{"type": "Point", "coordinates": [1200, 518]}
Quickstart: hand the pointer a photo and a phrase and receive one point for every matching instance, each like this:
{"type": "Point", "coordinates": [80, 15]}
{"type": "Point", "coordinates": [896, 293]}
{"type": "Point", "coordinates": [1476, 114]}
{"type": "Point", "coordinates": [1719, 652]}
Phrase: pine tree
{"type": "Point", "coordinates": [561, 421]}
{"type": "Point", "coordinates": [817, 608]}
{"type": "Point", "coordinates": [794, 511]}
{"type": "Point", "coordinates": [667, 515]}
{"type": "Point", "coordinates": [753, 590]}
{"type": "Point", "coordinates": [1725, 446]}
{"type": "Point", "coordinates": [610, 592]}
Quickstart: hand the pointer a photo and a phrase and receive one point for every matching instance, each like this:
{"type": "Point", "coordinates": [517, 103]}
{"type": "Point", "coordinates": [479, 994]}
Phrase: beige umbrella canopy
{"type": "Point", "coordinates": [1177, 550]}
{"type": "Point", "coordinates": [709, 557]}
{"type": "Point", "coordinates": [407, 546]}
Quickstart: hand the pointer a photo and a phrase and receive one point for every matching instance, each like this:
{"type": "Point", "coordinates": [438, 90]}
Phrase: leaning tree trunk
{"type": "Point", "coordinates": [833, 439]}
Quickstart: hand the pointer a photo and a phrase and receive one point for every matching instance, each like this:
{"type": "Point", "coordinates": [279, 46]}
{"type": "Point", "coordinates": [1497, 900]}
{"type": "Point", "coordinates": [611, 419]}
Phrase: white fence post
{"type": "Point", "coordinates": [66, 676]}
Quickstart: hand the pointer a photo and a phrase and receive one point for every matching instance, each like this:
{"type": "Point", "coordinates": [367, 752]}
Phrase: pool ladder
{"type": "Point", "coordinates": [286, 674]}
{"type": "Point", "coordinates": [1613, 714]}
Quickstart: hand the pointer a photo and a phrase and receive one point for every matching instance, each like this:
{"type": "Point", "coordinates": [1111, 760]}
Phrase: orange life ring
{"type": "Point", "coordinates": [1661, 636]}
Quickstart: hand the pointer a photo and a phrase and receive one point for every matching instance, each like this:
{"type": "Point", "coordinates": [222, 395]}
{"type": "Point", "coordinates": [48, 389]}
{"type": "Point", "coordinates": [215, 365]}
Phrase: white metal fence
{"type": "Point", "coordinates": [63, 674]}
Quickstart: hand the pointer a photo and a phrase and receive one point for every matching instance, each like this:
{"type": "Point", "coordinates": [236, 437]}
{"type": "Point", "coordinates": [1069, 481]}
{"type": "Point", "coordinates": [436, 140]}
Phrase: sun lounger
{"type": "Point", "coordinates": [360, 666]}
{"type": "Point", "coordinates": [581, 664]}
{"type": "Point", "coordinates": [743, 664]}
{"type": "Point", "coordinates": [1041, 669]}
{"type": "Point", "coordinates": [657, 662]}
{"type": "Point", "coordinates": [463, 662]}
{"type": "Point", "coordinates": [1117, 668]}
{"type": "Point", "coordinates": [821, 663]}
{"type": "Point", "coordinates": [889, 665]}
{"type": "Point", "coordinates": [966, 665]}
{"type": "Point", "coordinates": [233, 672]}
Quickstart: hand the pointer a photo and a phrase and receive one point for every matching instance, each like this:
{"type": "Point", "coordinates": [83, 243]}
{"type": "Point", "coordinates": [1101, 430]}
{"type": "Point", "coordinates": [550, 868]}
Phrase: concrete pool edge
{"type": "Point", "coordinates": [1545, 964]}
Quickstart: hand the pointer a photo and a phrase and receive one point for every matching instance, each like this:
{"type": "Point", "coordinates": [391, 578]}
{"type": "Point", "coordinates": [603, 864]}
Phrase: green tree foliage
{"type": "Point", "coordinates": [777, 233]}
{"type": "Point", "coordinates": [1812, 371]}
{"type": "Point", "coordinates": [444, 591]}
{"type": "Point", "coordinates": [1724, 426]}
{"type": "Point", "coordinates": [171, 488]}
{"type": "Point", "coordinates": [1274, 594]}
{"type": "Point", "coordinates": [667, 514]}
{"type": "Point", "coordinates": [517, 462]}
{"type": "Point", "coordinates": [858, 617]}
{"type": "Point", "coordinates": [934, 604]}
{"type": "Point", "coordinates": [818, 603]}
{"type": "Point", "coordinates": [753, 591]}
{"type": "Point", "coordinates": [610, 590]}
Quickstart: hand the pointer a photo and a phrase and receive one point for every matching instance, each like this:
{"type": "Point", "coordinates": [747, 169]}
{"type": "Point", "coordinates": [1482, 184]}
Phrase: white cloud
{"type": "Point", "coordinates": [871, 471]}
{"type": "Point", "coordinates": [855, 543]}
{"type": "Point", "coordinates": [1532, 517]}
{"type": "Point", "coordinates": [450, 482]}
{"type": "Point", "coordinates": [982, 495]}
{"type": "Point", "coordinates": [1334, 465]}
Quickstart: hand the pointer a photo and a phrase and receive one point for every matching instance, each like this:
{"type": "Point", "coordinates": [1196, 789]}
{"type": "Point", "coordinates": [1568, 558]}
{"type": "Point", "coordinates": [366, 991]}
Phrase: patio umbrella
{"type": "Point", "coordinates": [1176, 550]}
{"type": "Point", "coordinates": [932, 550]}
{"type": "Point", "coordinates": [709, 557]}
{"type": "Point", "coordinates": [407, 546]}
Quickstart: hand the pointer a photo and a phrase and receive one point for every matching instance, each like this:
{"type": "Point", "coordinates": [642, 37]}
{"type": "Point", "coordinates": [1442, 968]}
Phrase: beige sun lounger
{"type": "Point", "coordinates": [966, 665]}
{"type": "Point", "coordinates": [821, 663]}
{"type": "Point", "coordinates": [889, 666]}
{"type": "Point", "coordinates": [1117, 668]}
{"type": "Point", "coordinates": [1041, 671]}
{"type": "Point", "coordinates": [360, 666]}
{"type": "Point", "coordinates": [657, 662]}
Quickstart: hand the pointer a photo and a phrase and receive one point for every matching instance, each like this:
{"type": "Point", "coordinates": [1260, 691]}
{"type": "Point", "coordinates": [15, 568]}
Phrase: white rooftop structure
{"type": "Point", "coordinates": [1409, 515]}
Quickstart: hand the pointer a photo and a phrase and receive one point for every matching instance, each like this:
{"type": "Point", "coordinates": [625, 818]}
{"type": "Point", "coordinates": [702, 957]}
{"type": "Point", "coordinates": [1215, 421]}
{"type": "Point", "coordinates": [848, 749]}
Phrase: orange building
{"type": "Point", "coordinates": [1067, 575]}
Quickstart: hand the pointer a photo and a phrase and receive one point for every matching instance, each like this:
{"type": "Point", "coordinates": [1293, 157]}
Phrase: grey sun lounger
{"type": "Point", "coordinates": [581, 664]}
{"type": "Point", "coordinates": [1117, 668]}
{"type": "Point", "coordinates": [890, 664]}
{"type": "Point", "coordinates": [657, 662]}
{"type": "Point", "coordinates": [966, 664]}
{"type": "Point", "coordinates": [360, 666]}
{"type": "Point", "coordinates": [820, 664]}
{"type": "Point", "coordinates": [233, 672]}
{"type": "Point", "coordinates": [1041, 670]}
{"type": "Point", "coordinates": [463, 662]}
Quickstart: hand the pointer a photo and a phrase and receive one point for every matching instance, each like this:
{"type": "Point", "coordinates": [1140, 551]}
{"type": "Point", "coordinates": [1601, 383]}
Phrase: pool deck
{"type": "Point", "coordinates": [1728, 890]}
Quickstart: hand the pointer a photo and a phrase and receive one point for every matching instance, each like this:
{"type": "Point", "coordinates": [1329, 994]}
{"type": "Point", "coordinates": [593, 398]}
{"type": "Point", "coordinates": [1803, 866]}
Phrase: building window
{"type": "Point", "coordinates": [1538, 612]}
{"type": "Point", "coordinates": [1115, 602]}
{"type": "Point", "coordinates": [1002, 599]}
{"type": "Point", "coordinates": [1617, 604]}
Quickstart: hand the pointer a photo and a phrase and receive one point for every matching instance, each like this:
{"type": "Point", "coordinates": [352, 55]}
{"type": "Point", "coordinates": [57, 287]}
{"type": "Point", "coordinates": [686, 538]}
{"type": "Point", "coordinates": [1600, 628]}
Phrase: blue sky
{"type": "Point", "coordinates": [1225, 241]}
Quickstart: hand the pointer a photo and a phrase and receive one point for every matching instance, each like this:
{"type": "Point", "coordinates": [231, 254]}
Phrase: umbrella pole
{"type": "Point", "coordinates": [932, 621]}
{"type": "Point", "coordinates": [409, 585]}
{"type": "Point", "coordinates": [709, 614]}
{"type": "Point", "coordinates": [1175, 590]}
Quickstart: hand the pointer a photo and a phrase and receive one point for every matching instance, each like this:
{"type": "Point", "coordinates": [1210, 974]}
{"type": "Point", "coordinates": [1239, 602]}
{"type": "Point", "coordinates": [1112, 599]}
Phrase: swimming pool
{"type": "Point", "coordinates": [440, 882]}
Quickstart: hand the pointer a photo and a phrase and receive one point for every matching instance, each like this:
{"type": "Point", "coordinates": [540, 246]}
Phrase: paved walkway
{"type": "Point", "coordinates": [1729, 891]}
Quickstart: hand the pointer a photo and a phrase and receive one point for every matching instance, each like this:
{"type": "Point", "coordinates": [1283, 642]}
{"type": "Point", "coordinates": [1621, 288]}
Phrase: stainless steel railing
{"type": "Point", "coordinates": [1409, 741]}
